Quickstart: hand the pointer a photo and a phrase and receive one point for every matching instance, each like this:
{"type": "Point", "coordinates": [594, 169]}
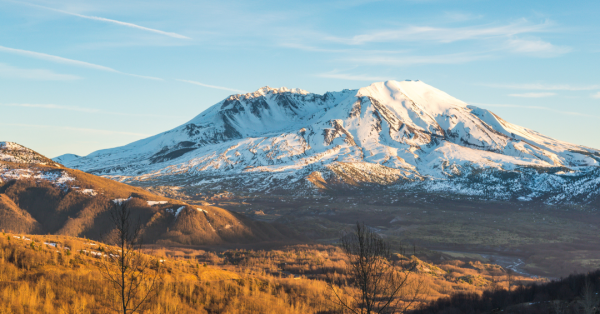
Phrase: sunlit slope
{"type": "Point", "coordinates": [52, 199]}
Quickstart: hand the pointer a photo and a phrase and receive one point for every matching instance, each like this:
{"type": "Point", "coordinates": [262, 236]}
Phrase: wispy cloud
{"type": "Point", "coordinates": [352, 77]}
{"type": "Point", "coordinates": [538, 86]}
{"type": "Point", "coordinates": [87, 110]}
{"type": "Point", "coordinates": [444, 35]}
{"type": "Point", "coordinates": [535, 47]}
{"type": "Point", "coordinates": [57, 59]}
{"type": "Point", "coordinates": [571, 113]}
{"type": "Point", "coordinates": [212, 86]}
{"type": "Point", "coordinates": [494, 40]}
{"type": "Point", "coordinates": [51, 106]}
{"type": "Point", "coordinates": [414, 60]}
{"type": "Point", "coordinates": [102, 19]}
{"type": "Point", "coordinates": [85, 130]}
{"type": "Point", "coordinates": [596, 95]}
{"type": "Point", "coordinates": [461, 16]}
{"type": "Point", "coordinates": [47, 57]}
{"type": "Point", "coordinates": [8, 71]}
{"type": "Point", "coordinates": [312, 48]}
{"type": "Point", "coordinates": [532, 95]}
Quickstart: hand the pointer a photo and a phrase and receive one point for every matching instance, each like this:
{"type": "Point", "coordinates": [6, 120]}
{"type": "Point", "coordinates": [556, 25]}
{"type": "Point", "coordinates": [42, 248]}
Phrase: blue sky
{"type": "Point", "coordinates": [77, 76]}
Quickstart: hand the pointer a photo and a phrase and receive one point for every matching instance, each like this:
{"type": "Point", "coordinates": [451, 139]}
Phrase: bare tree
{"type": "Point", "coordinates": [589, 298]}
{"type": "Point", "coordinates": [127, 270]}
{"type": "Point", "coordinates": [384, 287]}
{"type": "Point", "coordinates": [559, 306]}
{"type": "Point", "coordinates": [510, 277]}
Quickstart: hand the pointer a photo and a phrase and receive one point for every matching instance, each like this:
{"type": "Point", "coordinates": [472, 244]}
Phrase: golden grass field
{"type": "Point", "coordinates": [39, 275]}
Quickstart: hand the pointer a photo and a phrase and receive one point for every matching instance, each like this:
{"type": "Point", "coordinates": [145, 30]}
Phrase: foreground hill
{"type": "Point", "coordinates": [406, 134]}
{"type": "Point", "coordinates": [43, 197]}
{"type": "Point", "coordinates": [60, 274]}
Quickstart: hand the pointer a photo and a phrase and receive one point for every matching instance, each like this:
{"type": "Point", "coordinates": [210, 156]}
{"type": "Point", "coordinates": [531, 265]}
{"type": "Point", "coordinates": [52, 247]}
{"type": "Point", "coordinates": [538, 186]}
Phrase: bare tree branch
{"type": "Point", "coordinates": [126, 268]}
{"type": "Point", "coordinates": [381, 284]}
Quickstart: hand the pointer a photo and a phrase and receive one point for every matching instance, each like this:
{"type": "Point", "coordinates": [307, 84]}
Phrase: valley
{"type": "Point", "coordinates": [552, 241]}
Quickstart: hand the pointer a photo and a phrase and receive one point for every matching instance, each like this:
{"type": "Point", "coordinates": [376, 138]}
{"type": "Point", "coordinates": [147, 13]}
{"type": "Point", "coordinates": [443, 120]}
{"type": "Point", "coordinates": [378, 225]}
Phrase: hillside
{"type": "Point", "coordinates": [46, 198]}
{"type": "Point", "coordinates": [13, 152]}
{"type": "Point", "coordinates": [61, 274]}
{"type": "Point", "coordinates": [404, 134]}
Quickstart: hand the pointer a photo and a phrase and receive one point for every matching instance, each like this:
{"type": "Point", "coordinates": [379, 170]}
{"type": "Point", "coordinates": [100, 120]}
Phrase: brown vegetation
{"type": "Point", "coordinates": [39, 206]}
{"type": "Point", "coordinates": [41, 278]}
{"type": "Point", "coordinates": [38, 278]}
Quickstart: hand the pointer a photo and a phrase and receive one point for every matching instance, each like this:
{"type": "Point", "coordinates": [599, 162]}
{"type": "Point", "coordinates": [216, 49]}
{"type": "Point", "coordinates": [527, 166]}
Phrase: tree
{"type": "Point", "coordinates": [384, 286]}
{"type": "Point", "coordinates": [125, 267]}
{"type": "Point", "coordinates": [510, 278]}
{"type": "Point", "coordinates": [589, 298]}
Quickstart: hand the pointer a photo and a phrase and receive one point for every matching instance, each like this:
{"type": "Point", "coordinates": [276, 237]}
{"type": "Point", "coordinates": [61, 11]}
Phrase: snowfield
{"type": "Point", "coordinates": [406, 134]}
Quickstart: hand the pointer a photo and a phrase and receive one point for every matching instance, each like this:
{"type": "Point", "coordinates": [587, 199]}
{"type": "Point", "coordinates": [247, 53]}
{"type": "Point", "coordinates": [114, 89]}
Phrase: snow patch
{"type": "Point", "coordinates": [152, 203]}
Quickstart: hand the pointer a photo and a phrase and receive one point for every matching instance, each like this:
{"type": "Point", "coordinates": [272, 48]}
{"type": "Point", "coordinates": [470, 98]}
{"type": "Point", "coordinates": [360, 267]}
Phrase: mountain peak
{"type": "Point", "coordinates": [269, 90]}
{"type": "Point", "coordinates": [424, 96]}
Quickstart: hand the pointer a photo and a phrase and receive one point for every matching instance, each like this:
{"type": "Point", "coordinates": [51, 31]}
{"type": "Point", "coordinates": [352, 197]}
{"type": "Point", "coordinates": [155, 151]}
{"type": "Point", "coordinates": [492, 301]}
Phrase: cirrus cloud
{"type": "Point", "coordinates": [8, 71]}
{"type": "Point", "coordinates": [538, 86]}
{"type": "Point", "coordinates": [57, 59]}
{"type": "Point", "coordinates": [444, 35]}
{"type": "Point", "coordinates": [102, 19]}
{"type": "Point", "coordinates": [535, 47]}
{"type": "Point", "coordinates": [212, 86]}
{"type": "Point", "coordinates": [532, 95]}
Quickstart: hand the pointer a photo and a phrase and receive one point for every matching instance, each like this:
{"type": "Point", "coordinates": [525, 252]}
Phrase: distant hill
{"type": "Point", "coordinates": [40, 196]}
{"type": "Point", "coordinates": [408, 135]}
{"type": "Point", "coordinates": [13, 152]}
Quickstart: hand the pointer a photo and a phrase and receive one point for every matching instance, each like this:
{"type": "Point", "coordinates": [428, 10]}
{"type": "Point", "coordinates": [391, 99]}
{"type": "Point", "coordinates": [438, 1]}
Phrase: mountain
{"type": "Point", "coordinates": [405, 135]}
{"type": "Point", "coordinates": [38, 195]}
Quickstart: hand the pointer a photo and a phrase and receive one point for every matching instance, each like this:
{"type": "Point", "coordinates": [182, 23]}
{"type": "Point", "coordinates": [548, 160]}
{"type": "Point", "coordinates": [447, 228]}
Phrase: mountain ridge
{"type": "Point", "coordinates": [37, 196]}
{"type": "Point", "coordinates": [389, 133]}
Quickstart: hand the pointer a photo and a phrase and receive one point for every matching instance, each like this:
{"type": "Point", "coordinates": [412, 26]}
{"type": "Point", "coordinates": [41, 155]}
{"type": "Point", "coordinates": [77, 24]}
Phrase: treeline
{"type": "Point", "coordinates": [578, 293]}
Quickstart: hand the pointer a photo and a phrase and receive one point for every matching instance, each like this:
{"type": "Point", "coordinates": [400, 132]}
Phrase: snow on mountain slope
{"type": "Point", "coordinates": [387, 133]}
{"type": "Point", "coordinates": [13, 152]}
{"type": "Point", "coordinates": [66, 158]}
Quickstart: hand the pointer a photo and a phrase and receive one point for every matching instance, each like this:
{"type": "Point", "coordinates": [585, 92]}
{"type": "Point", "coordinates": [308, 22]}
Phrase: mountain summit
{"type": "Point", "coordinates": [406, 134]}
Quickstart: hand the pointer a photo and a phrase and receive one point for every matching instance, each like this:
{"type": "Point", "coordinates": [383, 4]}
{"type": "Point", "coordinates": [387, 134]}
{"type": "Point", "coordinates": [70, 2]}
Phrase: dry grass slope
{"type": "Point", "coordinates": [40, 206]}
{"type": "Point", "coordinates": [38, 274]}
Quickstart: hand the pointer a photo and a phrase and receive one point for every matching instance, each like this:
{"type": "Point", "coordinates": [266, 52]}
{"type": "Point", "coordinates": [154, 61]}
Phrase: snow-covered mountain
{"type": "Point", "coordinates": [406, 134]}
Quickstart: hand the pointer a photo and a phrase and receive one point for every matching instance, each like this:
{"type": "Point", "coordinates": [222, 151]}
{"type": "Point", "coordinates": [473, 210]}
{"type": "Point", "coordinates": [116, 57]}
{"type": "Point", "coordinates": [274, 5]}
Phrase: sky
{"type": "Point", "coordinates": [78, 76]}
